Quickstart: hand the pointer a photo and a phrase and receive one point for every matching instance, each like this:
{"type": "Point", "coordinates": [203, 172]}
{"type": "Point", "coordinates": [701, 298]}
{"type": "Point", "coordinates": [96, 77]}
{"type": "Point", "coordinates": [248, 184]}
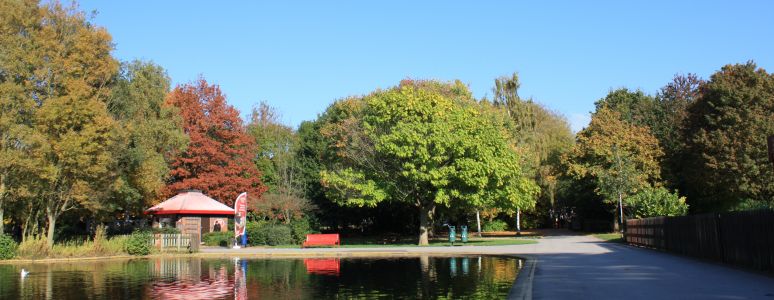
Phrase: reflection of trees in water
{"type": "Point", "coordinates": [196, 278]}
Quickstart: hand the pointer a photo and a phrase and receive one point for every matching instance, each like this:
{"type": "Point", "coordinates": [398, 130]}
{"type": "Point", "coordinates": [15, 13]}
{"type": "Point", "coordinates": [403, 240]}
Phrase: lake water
{"type": "Point", "coordinates": [189, 278]}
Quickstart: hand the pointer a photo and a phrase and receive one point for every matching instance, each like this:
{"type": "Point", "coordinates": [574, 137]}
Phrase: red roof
{"type": "Point", "coordinates": [190, 203]}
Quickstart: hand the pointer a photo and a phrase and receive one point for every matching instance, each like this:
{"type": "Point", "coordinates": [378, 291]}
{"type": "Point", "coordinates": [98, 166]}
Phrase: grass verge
{"type": "Point", "coordinates": [374, 243]}
{"type": "Point", "coordinates": [613, 237]}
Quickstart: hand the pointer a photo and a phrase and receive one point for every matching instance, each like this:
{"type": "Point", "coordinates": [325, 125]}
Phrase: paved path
{"type": "Point", "coordinates": [583, 267]}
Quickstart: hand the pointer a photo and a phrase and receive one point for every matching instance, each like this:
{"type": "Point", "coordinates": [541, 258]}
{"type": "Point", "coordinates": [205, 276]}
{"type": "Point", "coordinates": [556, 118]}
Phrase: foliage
{"type": "Point", "coordinates": [218, 159]}
{"type": "Point", "coordinates": [139, 243]}
{"type": "Point", "coordinates": [263, 233]}
{"type": "Point", "coordinates": [673, 101]}
{"type": "Point", "coordinates": [152, 134]}
{"type": "Point", "coordinates": [300, 228]}
{"type": "Point", "coordinates": [619, 157]}
{"type": "Point", "coordinates": [55, 57]}
{"type": "Point", "coordinates": [654, 202]}
{"type": "Point", "coordinates": [494, 225]}
{"type": "Point", "coordinates": [636, 108]}
{"type": "Point", "coordinates": [218, 238]}
{"type": "Point", "coordinates": [542, 136]}
{"type": "Point", "coordinates": [7, 247]}
{"type": "Point", "coordinates": [414, 145]}
{"type": "Point", "coordinates": [165, 230]}
{"type": "Point", "coordinates": [726, 157]}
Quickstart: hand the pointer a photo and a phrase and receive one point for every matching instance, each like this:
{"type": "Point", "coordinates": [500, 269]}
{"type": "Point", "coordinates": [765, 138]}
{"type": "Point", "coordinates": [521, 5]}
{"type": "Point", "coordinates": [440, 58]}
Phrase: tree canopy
{"type": "Point", "coordinates": [427, 144]}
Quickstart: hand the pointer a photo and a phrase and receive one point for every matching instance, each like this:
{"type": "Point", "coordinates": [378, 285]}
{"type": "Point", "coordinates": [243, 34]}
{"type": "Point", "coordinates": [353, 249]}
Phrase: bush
{"type": "Point", "coordinates": [139, 243]}
{"type": "Point", "coordinates": [300, 229]}
{"type": "Point", "coordinates": [261, 233]}
{"type": "Point", "coordinates": [495, 225]}
{"type": "Point", "coordinates": [165, 230]}
{"type": "Point", "coordinates": [218, 238]}
{"type": "Point", "coordinates": [7, 247]}
{"type": "Point", "coordinates": [655, 202]}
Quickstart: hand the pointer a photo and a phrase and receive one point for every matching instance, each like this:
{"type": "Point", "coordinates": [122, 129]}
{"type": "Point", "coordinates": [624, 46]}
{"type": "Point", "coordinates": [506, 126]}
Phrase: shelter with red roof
{"type": "Point", "coordinates": [192, 212]}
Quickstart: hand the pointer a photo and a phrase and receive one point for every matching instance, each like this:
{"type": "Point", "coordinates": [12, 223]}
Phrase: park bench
{"type": "Point", "coordinates": [331, 239]}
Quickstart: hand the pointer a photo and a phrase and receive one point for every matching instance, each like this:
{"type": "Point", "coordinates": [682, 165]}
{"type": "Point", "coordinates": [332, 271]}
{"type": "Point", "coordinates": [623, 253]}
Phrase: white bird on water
{"type": "Point", "coordinates": [24, 273]}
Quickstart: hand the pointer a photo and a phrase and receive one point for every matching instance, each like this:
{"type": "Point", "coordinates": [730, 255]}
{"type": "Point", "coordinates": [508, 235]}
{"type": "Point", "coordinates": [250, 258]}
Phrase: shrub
{"type": "Point", "coordinates": [261, 233]}
{"type": "Point", "coordinates": [654, 202]}
{"type": "Point", "coordinates": [7, 247]}
{"type": "Point", "coordinates": [218, 238]}
{"type": "Point", "coordinates": [278, 235]}
{"type": "Point", "coordinates": [495, 225]}
{"type": "Point", "coordinates": [139, 243]}
{"type": "Point", "coordinates": [165, 230]}
{"type": "Point", "coordinates": [300, 228]}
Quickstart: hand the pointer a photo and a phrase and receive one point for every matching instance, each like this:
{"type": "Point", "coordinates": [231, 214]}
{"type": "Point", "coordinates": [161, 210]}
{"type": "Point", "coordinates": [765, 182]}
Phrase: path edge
{"type": "Point", "coordinates": [522, 288]}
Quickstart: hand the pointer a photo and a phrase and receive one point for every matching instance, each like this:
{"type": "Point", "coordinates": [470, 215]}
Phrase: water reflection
{"type": "Point", "coordinates": [314, 278]}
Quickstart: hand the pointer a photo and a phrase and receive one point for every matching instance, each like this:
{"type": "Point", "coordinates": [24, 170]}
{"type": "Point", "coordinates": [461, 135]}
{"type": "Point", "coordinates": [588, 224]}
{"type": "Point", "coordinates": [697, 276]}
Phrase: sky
{"type": "Point", "coordinates": [302, 56]}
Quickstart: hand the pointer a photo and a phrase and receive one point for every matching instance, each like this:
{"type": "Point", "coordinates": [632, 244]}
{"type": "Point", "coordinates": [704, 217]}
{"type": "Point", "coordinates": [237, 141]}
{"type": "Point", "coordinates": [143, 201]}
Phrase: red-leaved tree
{"type": "Point", "coordinates": [218, 160]}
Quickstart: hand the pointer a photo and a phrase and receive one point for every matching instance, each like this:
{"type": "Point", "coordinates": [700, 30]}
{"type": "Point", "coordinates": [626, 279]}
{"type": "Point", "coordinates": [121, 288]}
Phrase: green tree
{"type": "Point", "coordinates": [726, 162]}
{"type": "Point", "coordinates": [152, 134]}
{"type": "Point", "coordinates": [622, 158]}
{"type": "Point", "coordinates": [635, 107]}
{"type": "Point", "coordinates": [541, 134]}
{"type": "Point", "coordinates": [277, 158]}
{"type": "Point", "coordinates": [427, 144]}
{"type": "Point", "coordinates": [673, 101]}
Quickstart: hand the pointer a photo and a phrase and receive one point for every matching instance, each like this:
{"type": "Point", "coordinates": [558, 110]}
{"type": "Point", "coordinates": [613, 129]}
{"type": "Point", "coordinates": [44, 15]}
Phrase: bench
{"type": "Point", "coordinates": [331, 239]}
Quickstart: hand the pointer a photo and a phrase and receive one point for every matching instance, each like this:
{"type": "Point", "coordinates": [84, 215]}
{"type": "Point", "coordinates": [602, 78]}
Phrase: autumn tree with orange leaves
{"type": "Point", "coordinates": [218, 160]}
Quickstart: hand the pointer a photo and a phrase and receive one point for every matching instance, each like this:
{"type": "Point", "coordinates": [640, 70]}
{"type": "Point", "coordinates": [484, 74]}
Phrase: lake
{"type": "Point", "coordinates": [192, 278]}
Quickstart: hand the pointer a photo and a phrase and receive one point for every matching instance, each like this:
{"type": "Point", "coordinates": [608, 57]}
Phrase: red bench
{"type": "Point", "coordinates": [331, 239]}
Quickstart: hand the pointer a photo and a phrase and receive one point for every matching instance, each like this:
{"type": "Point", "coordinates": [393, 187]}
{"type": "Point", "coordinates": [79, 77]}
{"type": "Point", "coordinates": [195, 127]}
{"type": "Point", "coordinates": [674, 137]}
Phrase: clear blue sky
{"type": "Point", "coordinates": [301, 56]}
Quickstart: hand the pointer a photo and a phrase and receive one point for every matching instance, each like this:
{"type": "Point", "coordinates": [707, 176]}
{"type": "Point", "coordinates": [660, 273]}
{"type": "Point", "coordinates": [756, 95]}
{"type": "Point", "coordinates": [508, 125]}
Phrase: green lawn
{"type": "Point", "coordinates": [408, 242]}
{"type": "Point", "coordinates": [614, 237]}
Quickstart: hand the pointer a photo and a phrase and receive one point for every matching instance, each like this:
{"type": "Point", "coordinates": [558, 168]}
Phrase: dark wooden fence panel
{"type": "Point", "coordinates": [741, 238]}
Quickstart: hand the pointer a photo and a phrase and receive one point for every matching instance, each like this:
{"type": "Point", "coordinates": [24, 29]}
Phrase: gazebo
{"type": "Point", "coordinates": [191, 212]}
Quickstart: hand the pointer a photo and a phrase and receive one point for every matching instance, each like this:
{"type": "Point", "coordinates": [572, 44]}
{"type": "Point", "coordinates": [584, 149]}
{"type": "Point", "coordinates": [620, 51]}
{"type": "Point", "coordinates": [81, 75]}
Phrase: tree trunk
{"type": "Point", "coordinates": [518, 221]}
{"type": "Point", "coordinates": [478, 223]}
{"type": "Point", "coordinates": [51, 227]}
{"type": "Point", "coordinates": [2, 200]}
{"type": "Point", "coordinates": [616, 228]}
{"type": "Point", "coordinates": [425, 214]}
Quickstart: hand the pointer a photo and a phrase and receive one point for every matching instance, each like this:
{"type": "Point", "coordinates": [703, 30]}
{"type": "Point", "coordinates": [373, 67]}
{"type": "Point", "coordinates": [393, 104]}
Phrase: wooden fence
{"type": "Point", "coordinates": [743, 238]}
{"type": "Point", "coordinates": [176, 242]}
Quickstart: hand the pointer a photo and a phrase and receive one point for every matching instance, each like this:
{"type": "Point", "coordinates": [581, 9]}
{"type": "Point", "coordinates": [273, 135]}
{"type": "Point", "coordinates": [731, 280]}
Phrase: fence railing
{"type": "Point", "coordinates": [176, 242]}
{"type": "Point", "coordinates": [744, 238]}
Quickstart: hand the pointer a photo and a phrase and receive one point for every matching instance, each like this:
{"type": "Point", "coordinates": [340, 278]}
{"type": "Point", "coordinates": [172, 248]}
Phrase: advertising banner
{"type": "Point", "coordinates": [240, 215]}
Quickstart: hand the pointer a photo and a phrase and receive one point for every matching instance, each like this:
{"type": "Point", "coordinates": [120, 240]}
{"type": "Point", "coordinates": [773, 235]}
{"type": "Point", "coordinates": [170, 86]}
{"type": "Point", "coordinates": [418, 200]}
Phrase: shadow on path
{"type": "Point", "coordinates": [593, 269]}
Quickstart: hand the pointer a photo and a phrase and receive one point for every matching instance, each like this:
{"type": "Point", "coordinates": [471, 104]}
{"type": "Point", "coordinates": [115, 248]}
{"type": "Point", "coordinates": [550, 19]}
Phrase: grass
{"type": "Point", "coordinates": [613, 237]}
{"type": "Point", "coordinates": [363, 242]}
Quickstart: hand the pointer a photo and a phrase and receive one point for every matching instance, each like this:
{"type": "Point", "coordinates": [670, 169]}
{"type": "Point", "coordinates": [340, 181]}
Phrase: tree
{"type": "Point", "coordinates": [218, 159]}
{"type": "Point", "coordinates": [634, 107]}
{"type": "Point", "coordinates": [726, 162]}
{"type": "Point", "coordinates": [620, 157]}
{"type": "Point", "coordinates": [58, 65]}
{"type": "Point", "coordinates": [278, 160]}
{"type": "Point", "coordinates": [543, 135]}
{"type": "Point", "coordinates": [152, 134]}
{"type": "Point", "coordinates": [426, 144]}
{"type": "Point", "coordinates": [672, 112]}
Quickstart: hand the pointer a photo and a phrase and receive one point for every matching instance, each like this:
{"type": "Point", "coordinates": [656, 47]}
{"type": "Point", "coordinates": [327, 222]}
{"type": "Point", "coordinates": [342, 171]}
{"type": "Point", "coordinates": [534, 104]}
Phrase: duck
{"type": "Point", "coordinates": [24, 273]}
